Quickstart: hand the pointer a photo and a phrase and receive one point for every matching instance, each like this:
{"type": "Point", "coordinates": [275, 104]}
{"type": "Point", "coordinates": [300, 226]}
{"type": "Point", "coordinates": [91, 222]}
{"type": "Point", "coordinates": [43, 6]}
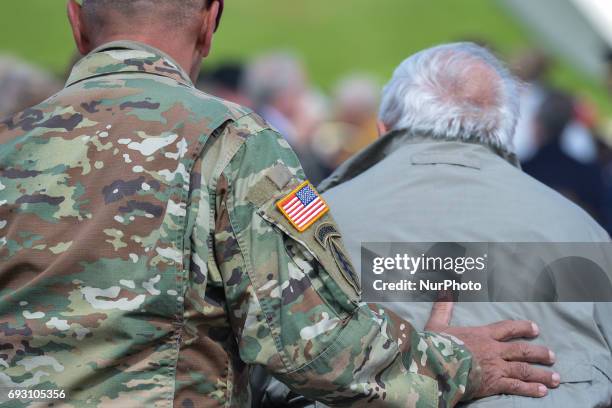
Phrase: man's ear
{"type": "Point", "coordinates": [75, 16]}
{"type": "Point", "coordinates": [209, 25]}
{"type": "Point", "coordinates": [382, 128]}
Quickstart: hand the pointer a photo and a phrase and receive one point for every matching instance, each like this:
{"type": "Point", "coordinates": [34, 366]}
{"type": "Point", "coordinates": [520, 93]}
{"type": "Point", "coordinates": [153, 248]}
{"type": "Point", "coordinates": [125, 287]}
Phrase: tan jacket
{"type": "Point", "coordinates": [405, 188]}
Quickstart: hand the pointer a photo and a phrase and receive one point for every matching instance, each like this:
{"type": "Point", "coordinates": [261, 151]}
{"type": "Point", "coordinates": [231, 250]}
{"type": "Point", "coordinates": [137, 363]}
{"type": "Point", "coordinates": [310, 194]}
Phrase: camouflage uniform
{"type": "Point", "coordinates": [143, 261]}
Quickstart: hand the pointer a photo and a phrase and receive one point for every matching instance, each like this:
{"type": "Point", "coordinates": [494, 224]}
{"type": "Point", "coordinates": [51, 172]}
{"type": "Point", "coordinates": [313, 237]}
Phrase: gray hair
{"type": "Point", "coordinates": [455, 91]}
{"type": "Point", "coordinates": [272, 74]}
{"type": "Point", "coordinates": [357, 91]}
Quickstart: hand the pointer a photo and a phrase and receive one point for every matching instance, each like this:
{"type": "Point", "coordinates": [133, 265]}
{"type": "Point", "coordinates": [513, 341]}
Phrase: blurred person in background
{"type": "Point", "coordinates": [605, 149]}
{"type": "Point", "coordinates": [353, 125]}
{"type": "Point", "coordinates": [277, 85]}
{"type": "Point", "coordinates": [608, 62]}
{"type": "Point", "coordinates": [444, 170]}
{"type": "Point", "coordinates": [23, 85]}
{"type": "Point", "coordinates": [605, 159]}
{"type": "Point", "coordinates": [533, 66]}
{"type": "Point", "coordinates": [580, 182]}
{"type": "Point", "coordinates": [608, 198]}
{"type": "Point", "coordinates": [605, 154]}
{"type": "Point", "coordinates": [225, 81]}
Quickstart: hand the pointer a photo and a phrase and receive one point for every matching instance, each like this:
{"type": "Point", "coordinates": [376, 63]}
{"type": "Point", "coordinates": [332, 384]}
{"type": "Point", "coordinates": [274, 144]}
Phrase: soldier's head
{"type": "Point", "coordinates": [182, 28]}
{"type": "Point", "coordinates": [454, 91]}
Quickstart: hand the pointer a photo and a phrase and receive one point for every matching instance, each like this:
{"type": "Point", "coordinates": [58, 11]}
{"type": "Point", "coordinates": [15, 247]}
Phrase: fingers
{"type": "Point", "coordinates": [518, 387]}
{"type": "Point", "coordinates": [441, 313]}
{"type": "Point", "coordinates": [530, 374]}
{"type": "Point", "coordinates": [513, 329]}
{"type": "Point", "coordinates": [527, 380]}
{"type": "Point", "coordinates": [526, 352]}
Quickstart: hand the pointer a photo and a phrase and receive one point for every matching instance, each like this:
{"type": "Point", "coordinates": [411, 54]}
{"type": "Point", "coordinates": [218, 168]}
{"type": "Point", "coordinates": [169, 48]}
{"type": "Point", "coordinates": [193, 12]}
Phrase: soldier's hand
{"type": "Point", "coordinates": [505, 366]}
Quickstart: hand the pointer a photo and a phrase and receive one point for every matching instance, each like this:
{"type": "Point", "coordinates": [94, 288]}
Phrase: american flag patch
{"type": "Point", "coordinates": [303, 206]}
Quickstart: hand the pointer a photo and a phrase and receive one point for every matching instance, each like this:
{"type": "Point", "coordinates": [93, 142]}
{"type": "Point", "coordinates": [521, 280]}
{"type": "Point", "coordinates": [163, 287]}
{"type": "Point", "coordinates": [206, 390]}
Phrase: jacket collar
{"type": "Point", "coordinates": [388, 144]}
{"type": "Point", "coordinates": [127, 56]}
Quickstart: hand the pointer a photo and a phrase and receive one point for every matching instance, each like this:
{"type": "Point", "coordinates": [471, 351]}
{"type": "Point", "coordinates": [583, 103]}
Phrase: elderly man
{"type": "Point", "coordinates": [157, 242]}
{"type": "Point", "coordinates": [444, 170]}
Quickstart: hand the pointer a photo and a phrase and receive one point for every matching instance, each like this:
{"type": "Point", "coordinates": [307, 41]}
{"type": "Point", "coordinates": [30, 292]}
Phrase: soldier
{"type": "Point", "coordinates": [157, 242]}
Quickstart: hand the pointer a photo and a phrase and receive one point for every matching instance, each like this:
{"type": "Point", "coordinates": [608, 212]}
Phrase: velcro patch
{"type": "Point", "coordinates": [275, 179]}
{"type": "Point", "coordinates": [303, 206]}
{"type": "Point", "coordinates": [279, 175]}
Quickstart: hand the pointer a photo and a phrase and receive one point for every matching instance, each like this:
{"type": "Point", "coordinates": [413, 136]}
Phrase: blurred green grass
{"type": "Point", "coordinates": [333, 37]}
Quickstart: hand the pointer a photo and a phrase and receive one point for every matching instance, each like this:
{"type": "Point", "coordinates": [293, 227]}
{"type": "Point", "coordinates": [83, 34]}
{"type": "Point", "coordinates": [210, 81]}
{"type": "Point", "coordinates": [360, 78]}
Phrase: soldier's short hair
{"type": "Point", "coordinates": [174, 11]}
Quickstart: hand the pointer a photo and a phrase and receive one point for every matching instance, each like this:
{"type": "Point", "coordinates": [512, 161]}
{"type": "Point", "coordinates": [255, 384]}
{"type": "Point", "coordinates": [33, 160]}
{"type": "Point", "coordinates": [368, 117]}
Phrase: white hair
{"type": "Point", "coordinates": [455, 91]}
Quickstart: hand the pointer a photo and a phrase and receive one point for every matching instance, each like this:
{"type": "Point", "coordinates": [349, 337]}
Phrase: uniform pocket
{"type": "Point", "coordinates": [573, 371]}
{"type": "Point", "coordinates": [584, 384]}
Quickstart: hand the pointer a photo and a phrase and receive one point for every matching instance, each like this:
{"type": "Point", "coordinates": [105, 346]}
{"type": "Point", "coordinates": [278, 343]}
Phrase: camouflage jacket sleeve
{"type": "Point", "coordinates": [295, 304]}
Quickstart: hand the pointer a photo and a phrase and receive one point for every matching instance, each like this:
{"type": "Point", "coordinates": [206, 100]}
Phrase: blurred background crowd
{"type": "Point", "coordinates": [315, 70]}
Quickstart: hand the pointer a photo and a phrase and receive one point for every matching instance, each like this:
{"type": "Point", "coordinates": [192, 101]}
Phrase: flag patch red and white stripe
{"type": "Point", "coordinates": [303, 206]}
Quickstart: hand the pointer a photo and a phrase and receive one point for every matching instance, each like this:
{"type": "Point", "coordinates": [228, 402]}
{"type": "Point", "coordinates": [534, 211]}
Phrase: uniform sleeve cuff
{"type": "Point", "coordinates": [474, 380]}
